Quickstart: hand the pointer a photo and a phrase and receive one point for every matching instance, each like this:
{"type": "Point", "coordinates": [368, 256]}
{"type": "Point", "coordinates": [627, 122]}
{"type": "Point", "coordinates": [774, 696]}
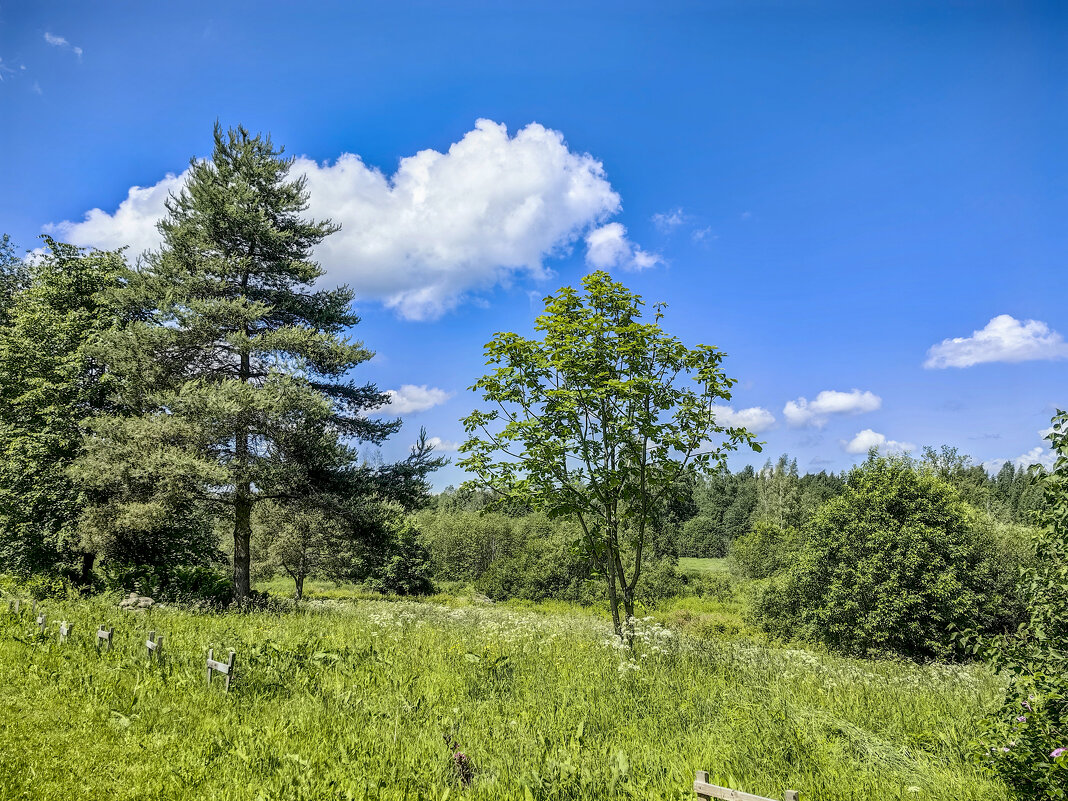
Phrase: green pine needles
{"type": "Point", "coordinates": [233, 365]}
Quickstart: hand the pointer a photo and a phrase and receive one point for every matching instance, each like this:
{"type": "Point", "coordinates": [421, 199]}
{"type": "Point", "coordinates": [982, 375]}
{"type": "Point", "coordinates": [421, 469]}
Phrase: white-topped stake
{"type": "Point", "coordinates": [226, 668]}
{"type": "Point", "coordinates": [154, 645]}
{"type": "Point", "coordinates": [105, 635]}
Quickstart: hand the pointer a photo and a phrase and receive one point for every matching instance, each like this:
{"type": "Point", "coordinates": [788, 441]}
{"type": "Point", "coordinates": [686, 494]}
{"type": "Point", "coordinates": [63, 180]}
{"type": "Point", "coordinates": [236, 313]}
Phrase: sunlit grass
{"type": "Point", "coordinates": [358, 700]}
{"type": "Point", "coordinates": [688, 564]}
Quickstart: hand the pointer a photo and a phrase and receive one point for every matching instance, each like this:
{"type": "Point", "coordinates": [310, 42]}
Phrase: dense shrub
{"type": "Point", "coordinates": [549, 565]}
{"type": "Point", "coordinates": [406, 568]}
{"type": "Point", "coordinates": [891, 566]}
{"type": "Point", "coordinates": [703, 536]}
{"type": "Point", "coordinates": [178, 584]}
{"type": "Point", "coordinates": [463, 544]}
{"type": "Point", "coordinates": [1027, 740]}
{"type": "Point", "coordinates": [764, 550]}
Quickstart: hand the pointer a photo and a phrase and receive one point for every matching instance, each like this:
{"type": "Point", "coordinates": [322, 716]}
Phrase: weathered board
{"type": "Point", "coordinates": [706, 790]}
{"type": "Point", "coordinates": [104, 635]}
{"type": "Point", "coordinates": [226, 668]}
{"type": "Point", "coordinates": [65, 629]}
{"type": "Point", "coordinates": [154, 645]}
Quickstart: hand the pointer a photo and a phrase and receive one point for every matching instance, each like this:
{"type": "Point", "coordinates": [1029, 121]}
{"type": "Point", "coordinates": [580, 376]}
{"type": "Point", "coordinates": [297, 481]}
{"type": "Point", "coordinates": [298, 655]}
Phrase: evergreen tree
{"type": "Point", "coordinates": [236, 364]}
{"type": "Point", "coordinates": [49, 384]}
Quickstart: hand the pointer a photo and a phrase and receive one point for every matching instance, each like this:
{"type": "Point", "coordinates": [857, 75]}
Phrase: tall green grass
{"type": "Point", "coordinates": [371, 699]}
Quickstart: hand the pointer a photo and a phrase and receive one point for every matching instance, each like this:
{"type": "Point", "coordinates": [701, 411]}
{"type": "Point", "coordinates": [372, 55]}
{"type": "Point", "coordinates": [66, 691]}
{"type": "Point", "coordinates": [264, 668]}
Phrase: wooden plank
{"type": "Point", "coordinates": [154, 645]}
{"type": "Point", "coordinates": [706, 790]}
{"type": "Point", "coordinates": [65, 629]}
{"type": "Point", "coordinates": [42, 621]}
{"type": "Point", "coordinates": [226, 668]}
{"type": "Point", "coordinates": [105, 635]}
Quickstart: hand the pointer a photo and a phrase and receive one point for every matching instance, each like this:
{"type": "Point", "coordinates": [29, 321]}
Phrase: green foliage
{"type": "Point", "coordinates": [184, 584]}
{"type": "Point", "coordinates": [14, 276]}
{"type": "Point", "coordinates": [234, 366]}
{"type": "Point", "coordinates": [764, 551]}
{"type": "Point", "coordinates": [704, 535]}
{"type": "Point", "coordinates": [463, 545]}
{"type": "Point", "coordinates": [1027, 741]}
{"type": "Point", "coordinates": [592, 422]}
{"type": "Point", "coordinates": [356, 700]}
{"type": "Point", "coordinates": [548, 563]}
{"type": "Point", "coordinates": [405, 570]}
{"type": "Point", "coordinates": [889, 567]}
{"type": "Point", "coordinates": [49, 385]}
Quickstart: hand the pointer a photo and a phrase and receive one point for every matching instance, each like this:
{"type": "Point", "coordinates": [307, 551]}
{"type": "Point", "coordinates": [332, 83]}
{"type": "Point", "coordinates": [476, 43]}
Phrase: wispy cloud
{"type": "Point", "coordinates": [608, 247]}
{"type": "Point", "coordinates": [1003, 339]}
{"type": "Point", "coordinates": [668, 221]}
{"type": "Point", "coordinates": [443, 445]}
{"type": "Point", "coordinates": [61, 42]}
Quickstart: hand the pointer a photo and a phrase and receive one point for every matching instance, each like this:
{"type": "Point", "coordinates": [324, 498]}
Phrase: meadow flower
{"type": "Point", "coordinates": [1057, 752]}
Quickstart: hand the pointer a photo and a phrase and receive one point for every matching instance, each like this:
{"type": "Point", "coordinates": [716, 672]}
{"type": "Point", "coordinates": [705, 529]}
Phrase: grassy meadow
{"type": "Point", "coordinates": [373, 698]}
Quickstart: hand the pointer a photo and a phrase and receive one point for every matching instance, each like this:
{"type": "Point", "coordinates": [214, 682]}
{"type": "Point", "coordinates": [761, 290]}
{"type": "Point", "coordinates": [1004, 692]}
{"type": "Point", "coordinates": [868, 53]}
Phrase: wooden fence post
{"type": "Point", "coordinates": [104, 634]}
{"type": "Point", "coordinates": [64, 631]}
{"type": "Point", "coordinates": [705, 790]}
{"type": "Point", "coordinates": [154, 644]}
{"type": "Point", "coordinates": [42, 621]}
{"type": "Point", "coordinates": [226, 668]}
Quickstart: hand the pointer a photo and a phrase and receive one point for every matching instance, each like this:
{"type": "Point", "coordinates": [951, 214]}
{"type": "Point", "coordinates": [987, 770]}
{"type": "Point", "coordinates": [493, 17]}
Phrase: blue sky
{"type": "Point", "coordinates": [827, 192]}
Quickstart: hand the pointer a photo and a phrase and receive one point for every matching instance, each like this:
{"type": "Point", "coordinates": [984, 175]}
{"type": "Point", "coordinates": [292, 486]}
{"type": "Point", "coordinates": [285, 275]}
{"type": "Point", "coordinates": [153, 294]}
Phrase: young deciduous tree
{"type": "Point", "coordinates": [593, 421]}
{"type": "Point", "coordinates": [236, 362]}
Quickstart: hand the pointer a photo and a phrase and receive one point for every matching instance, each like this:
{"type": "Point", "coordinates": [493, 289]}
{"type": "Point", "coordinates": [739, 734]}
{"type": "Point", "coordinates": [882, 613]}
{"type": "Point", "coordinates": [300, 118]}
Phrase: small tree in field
{"type": "Point", "coordinates": [592, 421]}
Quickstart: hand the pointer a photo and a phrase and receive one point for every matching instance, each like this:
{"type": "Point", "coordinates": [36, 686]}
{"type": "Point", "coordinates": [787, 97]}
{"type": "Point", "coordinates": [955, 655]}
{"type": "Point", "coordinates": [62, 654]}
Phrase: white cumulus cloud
{"type": "Point", "coordinates": [803, 412]}
{"type": "Point", "coordinates": [493, 207]}
{"type": "Point", "coordinates": [411, 398]}
{"type": "Point", "coordinates": [867, 439]}
{"type": "Point", "coordinates": [442, 445]}
{"type": "Point", "coordinates": [133, 223]}
{"type": "Point", "coordinates": [1037, 455]}
{"type": "Point", "coordinates": [1004, 339]}
{"type": "Point", "coordinates": [756, 419]}
{"type": "Point", "coordinates": [608, 247]}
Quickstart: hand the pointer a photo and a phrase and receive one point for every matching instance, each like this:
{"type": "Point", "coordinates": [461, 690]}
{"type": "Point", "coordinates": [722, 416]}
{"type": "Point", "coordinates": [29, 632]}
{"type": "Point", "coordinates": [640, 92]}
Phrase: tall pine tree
{"type": "Point", "coordinates": [237, 363]}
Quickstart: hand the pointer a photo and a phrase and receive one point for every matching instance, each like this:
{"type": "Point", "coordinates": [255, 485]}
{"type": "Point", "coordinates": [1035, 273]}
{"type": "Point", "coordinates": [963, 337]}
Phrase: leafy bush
{"type": "Point", "coordinates": [463, 544]}
{"type": "Point", "coordinates": [406, 568]}
{"type": "Point", "coordinates": [1027, 741]}
{"type": "Point", "coordinates": [764, 550]}
{"type": "Point", "coordinates": [713, 586]}
{"type": "Point", "coordinates": [891, 566]}
{"type": "Point", "coordinates": [703, 536]}
{"type": "Point", "coordinates": [659, 581]}
{"type": "Point", "coordinates": [548, 566]}
{"type": "Point", "coordinates": [188, 584]}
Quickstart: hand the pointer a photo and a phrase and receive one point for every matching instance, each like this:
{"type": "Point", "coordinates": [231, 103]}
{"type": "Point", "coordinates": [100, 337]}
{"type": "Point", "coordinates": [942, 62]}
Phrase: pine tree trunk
{"type": "Point", "coordinates": [242, 543]}
{"type": "Point", "coordinates": [243, 497]}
